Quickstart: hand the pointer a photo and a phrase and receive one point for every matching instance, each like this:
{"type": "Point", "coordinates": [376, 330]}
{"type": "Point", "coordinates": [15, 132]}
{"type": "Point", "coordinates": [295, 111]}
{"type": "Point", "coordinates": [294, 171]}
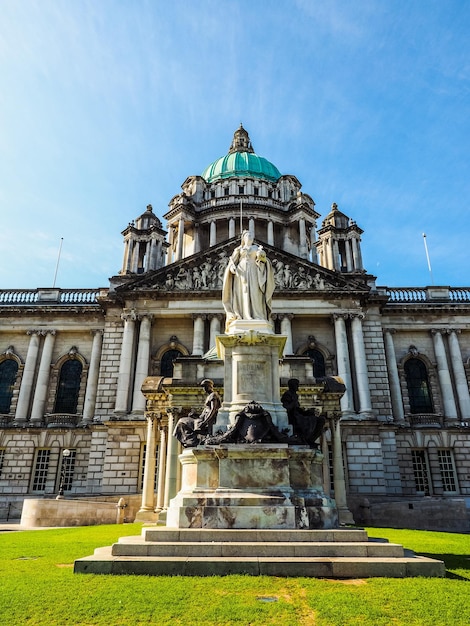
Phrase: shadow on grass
{"type": "Point", "coordinates": [452, 561]}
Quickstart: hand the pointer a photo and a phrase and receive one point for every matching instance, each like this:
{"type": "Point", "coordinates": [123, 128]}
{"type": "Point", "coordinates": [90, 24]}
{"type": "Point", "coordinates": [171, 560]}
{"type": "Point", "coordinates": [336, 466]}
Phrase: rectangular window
{"type": "Point", "coordinates": [256, 190]}
{"type": "Point", "coordinates": [41, 470]}
{"type": "Point", "coordinates": [447, 470]}
{"type": "Point", "coordinates": [142, 466]}
{"type": "Point", "coordinates": [241, 189]}
{"type": "Point", "coordinates": [2, 458]}
{"type": "Point", "coordinates": [226, 191]}
{"type": "Point", "coordinates": [67, 469]}
{"type": "Point", "coordinates": [421, 472]}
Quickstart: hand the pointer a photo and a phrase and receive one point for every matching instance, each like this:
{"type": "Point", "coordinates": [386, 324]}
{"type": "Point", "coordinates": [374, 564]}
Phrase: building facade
{"type": "Point", "coordinates": [72, 362]}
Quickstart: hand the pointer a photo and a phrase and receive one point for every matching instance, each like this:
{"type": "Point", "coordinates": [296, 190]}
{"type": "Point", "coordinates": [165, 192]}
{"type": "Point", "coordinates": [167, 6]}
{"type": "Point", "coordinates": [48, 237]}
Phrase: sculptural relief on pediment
{"type": "Point", "coordinates": [205, 272]}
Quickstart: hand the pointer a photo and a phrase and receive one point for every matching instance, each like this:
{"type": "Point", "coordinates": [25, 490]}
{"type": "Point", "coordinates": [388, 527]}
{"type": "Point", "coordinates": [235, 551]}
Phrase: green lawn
{"type": "Point", "coordinates": [37, 586]}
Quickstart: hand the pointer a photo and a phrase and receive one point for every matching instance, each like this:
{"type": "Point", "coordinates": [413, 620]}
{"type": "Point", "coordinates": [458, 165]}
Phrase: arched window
{"type": "Point", "coordinates": [417, 381]}
{"type": "Point", "coordinates": [166, 366]}
{"type": "Point", "coordinates": [8, 371]}
{"type": "Point", "coordinates": [318, 361]}
{"type": "Point", "coordinates": [68, 387]}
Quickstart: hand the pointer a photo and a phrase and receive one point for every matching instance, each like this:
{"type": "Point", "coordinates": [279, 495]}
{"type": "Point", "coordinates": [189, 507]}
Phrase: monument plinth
{"type": "Point", "coordinates": [252, 486]}
{"type": "Point", "coordinates": [251, 372]}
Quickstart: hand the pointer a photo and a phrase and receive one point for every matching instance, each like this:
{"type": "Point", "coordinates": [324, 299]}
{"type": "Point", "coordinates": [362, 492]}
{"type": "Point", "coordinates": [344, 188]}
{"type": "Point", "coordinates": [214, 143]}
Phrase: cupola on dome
{"type": "Point", "coordinates": [241, 161]}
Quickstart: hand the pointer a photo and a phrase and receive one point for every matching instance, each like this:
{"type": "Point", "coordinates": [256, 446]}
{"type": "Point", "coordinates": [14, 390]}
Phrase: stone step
{"type": "Point", "coordinates": [313, 567]}
{"type": "Point", "coordinates": [268, 549]}
{"type": "Point", "coordinates": [166, 534]}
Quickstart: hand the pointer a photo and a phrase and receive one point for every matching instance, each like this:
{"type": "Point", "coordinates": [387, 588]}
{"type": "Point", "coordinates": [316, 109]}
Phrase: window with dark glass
{"type": "Point", "coordinates": [241, 189]}
{"type": "Point", "coordinates": [256, 191]}
{"type": "Point", "coordinates": [68, 387]}
{"type": "Point", "coordinates": [41, 469]}
{"type": "Point", "coordinates": [212, 193]}
{"type": "Point", "coordinates": [417, 382]}
{"type": "Point", "coordinates": [318, 361]}
{"type": "Point", "coordinates": [226, 191]}
{"type": "Point", "coordinates": [166, 365]}
{"type": "Point", "coordinates": [447, 471]}
{"type": "Point", "coordinates": [421, 472]}
{"type": "Point", "coordinates": [8, 371]}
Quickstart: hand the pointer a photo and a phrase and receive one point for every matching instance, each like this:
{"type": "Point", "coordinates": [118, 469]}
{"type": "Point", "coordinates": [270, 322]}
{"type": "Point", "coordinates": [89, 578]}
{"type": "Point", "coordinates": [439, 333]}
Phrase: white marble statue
{"type": "Point", "coordinates": [248, 283]}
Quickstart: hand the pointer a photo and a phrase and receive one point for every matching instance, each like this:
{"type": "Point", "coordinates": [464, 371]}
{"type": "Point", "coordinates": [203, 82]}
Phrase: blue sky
{"type": "Point", "coordinates": [107, 106]}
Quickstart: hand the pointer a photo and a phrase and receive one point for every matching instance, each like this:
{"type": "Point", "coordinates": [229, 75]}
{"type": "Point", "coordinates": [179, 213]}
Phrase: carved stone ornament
{"type": "Point", "coordinates": [205, 271]}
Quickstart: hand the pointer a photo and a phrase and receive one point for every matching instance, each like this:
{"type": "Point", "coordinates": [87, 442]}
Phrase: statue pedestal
{"type": "Point", "coordinates": [252, 486]}
{"type": "Point", "coordinates": [251, 372]}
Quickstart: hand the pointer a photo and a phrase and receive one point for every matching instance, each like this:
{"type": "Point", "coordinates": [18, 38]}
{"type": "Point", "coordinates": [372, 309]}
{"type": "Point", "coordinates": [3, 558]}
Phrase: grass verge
{"type": "Point", "coordinates": [38, 587]}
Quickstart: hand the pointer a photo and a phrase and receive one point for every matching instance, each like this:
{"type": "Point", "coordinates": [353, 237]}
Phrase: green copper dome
{"type": "Point", "coordinates": [241, 161]}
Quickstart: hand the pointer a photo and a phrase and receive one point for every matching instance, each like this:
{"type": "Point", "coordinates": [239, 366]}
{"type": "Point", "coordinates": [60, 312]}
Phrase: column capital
{"type": "Point", "coordinates": [359, 316]}
{"type": "Point", "coordinates": [390, 331]}
{"type": "Point", "coordinates": [142, 316]}
{"type": "Point", "coordinates": [195, 316]}
{"type": "Point", "coordinates": [34, 332]}
{"type": "Point", "coordinates": [211, 316]}
{"type": "Point", "coordinates": [129, 316]}
{"type": "Point", "coordinates": [340, 316]}
{"type": "Point", "coordinates": [455, 331]}
{"type": "Point", "coordinates": [96, 331]}
{"type": "Point", "coordinates": [437, 331]}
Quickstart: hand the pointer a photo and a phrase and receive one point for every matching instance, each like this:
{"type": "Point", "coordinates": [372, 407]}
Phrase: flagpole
{"type": "Point", "coordinates": [58, 260]}
{"type": "Point", "coordinates": [427, 257]}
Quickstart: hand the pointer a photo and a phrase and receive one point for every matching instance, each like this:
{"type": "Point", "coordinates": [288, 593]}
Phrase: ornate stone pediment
{"type": "Point", "coordinates": [204, 271]}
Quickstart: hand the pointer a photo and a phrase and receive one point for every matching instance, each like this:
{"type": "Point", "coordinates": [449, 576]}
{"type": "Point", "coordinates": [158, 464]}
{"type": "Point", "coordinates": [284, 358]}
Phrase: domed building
{"type": "Point", "coordinates": [72, 362]}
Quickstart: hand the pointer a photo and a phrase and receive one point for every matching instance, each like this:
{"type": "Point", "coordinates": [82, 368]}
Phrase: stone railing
{"type": "Point", "coordinates": [426, 419]}
{"type": "Point", "coordinates": [427, 294]}
{"type": "Point", "coordinates": [61, 420]}
{"type": "Point", "coordinates": [10, 297]}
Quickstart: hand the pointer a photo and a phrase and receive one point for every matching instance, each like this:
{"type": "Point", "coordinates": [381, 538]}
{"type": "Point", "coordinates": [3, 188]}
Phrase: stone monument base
{"type": "Point", "coordinates": [243, 486]}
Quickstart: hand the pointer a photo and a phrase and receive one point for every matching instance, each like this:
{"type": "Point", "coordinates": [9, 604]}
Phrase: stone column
{"type": "Point", "coordinates": [198, 334]}
{"type": "Point", "coordinates": [197, 238]}
{"type": "Point", "coordinates": [213, 233]}
{"type": "Point", "coordinates": [231, 227]}
{"type": "Point", "coordinates": [152, 255]}
{"type": "Point", "coordinates": [286, 329]}
{"type": "Point", "coordinates": [303, 249]}
{"type": "Point", "coordinates": [329, 254]}
{"type": "Point", "coordinates": [214, 328]}
{"type": "Point", "coordinates": [251, 226]}
{"type": "Point", "coordinates": [146, 512]}
{"type": "Point", "coordinates": [461, 385]}
{"type": "Point", "coordinates": [180, 240]}
{"type": "Point", "coordinates": [447, 393]}
{"type": "Point", "coordinates": [271, 233]}
{"type": "Point", "coordinates": [336, 257]}
{"type": "Point", "coordinates": [142, 364]}
{"type": "Point", "coordinates": [125, 364]}
{"type": "Point", "coordinates": [313, 248]}
{"type": "Point", "coordinates": [344, 514]}
{"type": "Point", "coordinates": [26, 388]}
{"type": "Point", "coordinates": [356, 255]}
{"type": "Point", "coordinates": [42, 382]}
{"type": "Point", "coordinates": [92, 382]}
{"type": "Point", "coordinates": [171, 459]}
{"type": "Point", "coordinates": [349, 263]}
{"type": "Point", "coordinates": [344, 367]}
{"type": "Point", "coordinates": [393, 378]}
{"type": "Point", "coordinates": [127, 255]}
{"type": "Point", "coordinates": [135, 257]}
{"type": "Point", "coordinates": [360, 362]}
{"type": "Point", "coordinates": [163, 426]}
